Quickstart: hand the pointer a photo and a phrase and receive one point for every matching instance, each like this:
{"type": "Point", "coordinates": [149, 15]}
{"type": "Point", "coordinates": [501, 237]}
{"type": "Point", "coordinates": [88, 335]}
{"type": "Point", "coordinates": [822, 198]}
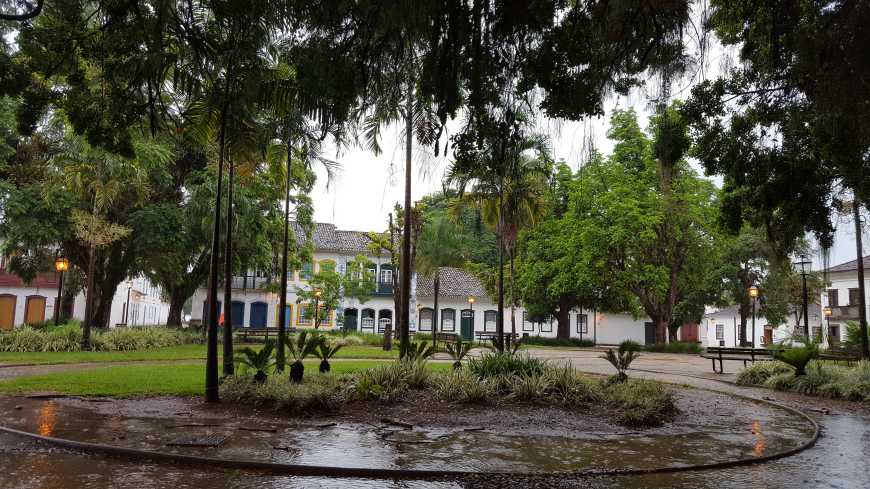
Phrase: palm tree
{"type": "Point", "coordinates": [439, 246]}
{"type": "Point", "coordinates": [326, 352]}
{"type": "Point", "coordinates": [499, 177]}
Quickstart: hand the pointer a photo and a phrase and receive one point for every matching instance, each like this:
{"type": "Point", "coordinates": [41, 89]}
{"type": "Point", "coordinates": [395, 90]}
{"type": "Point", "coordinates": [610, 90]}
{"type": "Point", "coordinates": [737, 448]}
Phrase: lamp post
{"type": "Point", "coordinates": [806, 266]}
{"type": "Point", "coordinates": [753, 293]}
{"type": "Point", "coordinates": [828, 312]}
{"type": "Point", "coordinates": [316, 308]}
{"type": "Point", "coordinates": [61, 265]}
{"type": "Point", "coordinates": [471, 300]}
{"type": "Point", "coordinates": [127, 307]}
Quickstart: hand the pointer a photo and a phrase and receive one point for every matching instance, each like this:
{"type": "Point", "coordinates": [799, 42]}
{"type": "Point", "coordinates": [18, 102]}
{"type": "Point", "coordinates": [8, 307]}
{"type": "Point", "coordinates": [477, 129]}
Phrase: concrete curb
{"type": "Point", "coordinates": [373, 473]}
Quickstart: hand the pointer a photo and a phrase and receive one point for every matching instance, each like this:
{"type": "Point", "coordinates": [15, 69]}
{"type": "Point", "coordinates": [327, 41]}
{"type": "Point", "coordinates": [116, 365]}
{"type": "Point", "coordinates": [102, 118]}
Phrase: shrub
{"type": "Point", "coordinates": [416, 352]}
{"type": "Point", "coordinates": [780, 382]}
{"type": "Point", "coordinates": [798, 356]}
{"type": "Point", "coordinates": [260, 361]}
{"type": "Point", "coordinates": [622, 359]}
{"type": "Point", "coordinates": [546, 341]}
{"type": "Point", "coordinates": [675, 347]}
{"type": "Point", "coordinates": [323, 394]}
{"type": "Point", "coordinates": [642, 402]}
{"type": "Point", "coordinates": [68, 338]}
{"type": "Point", "coordinates": [496, 364]}
{"type": "Point", "coordinates": [390, 382]}
{"type": "Point", "coordinates": [631, 345]}
{"type": "Point", "coordinates": [571, 387]}
{"type": "Point", "coordinates": [759, 372]}
{"type": "Point", "coordinates": [462, 386]}
{"type": "Point", "coordinates": [458, 351]}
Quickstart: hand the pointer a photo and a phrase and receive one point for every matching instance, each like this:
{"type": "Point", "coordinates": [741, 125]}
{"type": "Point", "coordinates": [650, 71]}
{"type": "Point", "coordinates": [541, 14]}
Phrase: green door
{"type": "Point", "coordinates": [466, 326]}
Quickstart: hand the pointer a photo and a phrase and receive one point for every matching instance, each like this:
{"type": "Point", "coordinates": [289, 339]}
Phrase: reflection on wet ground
{"type": "Point", "coordinates": [835, 462]}
{"type": "Point", "coordinates": [383, 446]}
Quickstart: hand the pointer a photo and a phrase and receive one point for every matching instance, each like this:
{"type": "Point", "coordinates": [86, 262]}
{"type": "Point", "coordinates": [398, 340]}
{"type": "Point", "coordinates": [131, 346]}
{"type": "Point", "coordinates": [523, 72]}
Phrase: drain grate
{"type": "Point", "coordinates": [211, 441]}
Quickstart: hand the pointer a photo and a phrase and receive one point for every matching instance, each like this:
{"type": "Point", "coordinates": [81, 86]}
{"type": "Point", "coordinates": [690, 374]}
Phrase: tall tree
{"type": "Point", "coordinates": [653, 230]}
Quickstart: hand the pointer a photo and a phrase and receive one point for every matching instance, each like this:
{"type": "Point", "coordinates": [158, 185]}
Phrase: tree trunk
{"type": "Point", "coordinates": [661, 330]}
{"type": "Point", "coordinates": [280, 360]}
{"type": "Point", "coordinates": [513, 299]}
{"type": "Point", "coordinates": [211, 361]}
{"type": "Point", "coordinates": [436, 285]}
{"type": "Point", "coordinates": [397, 300]}
{"type": "Point", "coordinates": [563, 329]}
{"type": "Point", "coordinates": [89, 299]}
{"type": "Point", "coordinates": [177, 298]}
{"type": "Point", "coordinates": [406, 229]}
{"type": "Point", "coordinates": [228, 278]}
{"type": "Point", "coordinates": [499, 324]}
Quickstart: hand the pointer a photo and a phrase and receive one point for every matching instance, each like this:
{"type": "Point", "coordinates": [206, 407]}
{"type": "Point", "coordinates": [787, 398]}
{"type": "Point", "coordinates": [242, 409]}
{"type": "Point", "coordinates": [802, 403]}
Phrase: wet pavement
{"type": "Point", "coordinates": [836, 461]}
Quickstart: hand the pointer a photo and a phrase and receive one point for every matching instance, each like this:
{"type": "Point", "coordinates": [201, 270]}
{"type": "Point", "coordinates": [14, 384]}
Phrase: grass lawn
{"type": "Point", "coordinates": [184, 352]}
{"type": "Point", "coordinates": [150, 380]}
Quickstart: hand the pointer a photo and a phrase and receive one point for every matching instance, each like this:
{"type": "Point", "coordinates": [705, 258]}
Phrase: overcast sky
{"type": "Point", "coordinates": [365, 189]}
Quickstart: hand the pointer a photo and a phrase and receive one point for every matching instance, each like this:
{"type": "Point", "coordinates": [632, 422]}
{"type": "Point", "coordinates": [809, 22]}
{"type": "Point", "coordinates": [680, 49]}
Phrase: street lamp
{"type": "Point", "coordinates": [806, 266]}
{"type": "Point", "coordinates": [316, 308]}
{"type": "Point", "coordinates": [61, 265]}
{"type": "Point", "coordinates": [471, 300]}
{"type": "Point", "coordinates": [753, 293]}
{"type": "Point", "coordinates": [127, 309]}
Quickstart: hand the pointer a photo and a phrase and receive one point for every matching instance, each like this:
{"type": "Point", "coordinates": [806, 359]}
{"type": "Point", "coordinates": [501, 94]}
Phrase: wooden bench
{"type": "Point", "coordinates": [840, 355]}
{"type": "Point", "coordinates": [720, 353]}
{"type": "Point", "coordinates": [247, 333]}
{"type": "Point", "coordinates": [487, 336]}
{"type": "Point", "coordinates": [444, 338]}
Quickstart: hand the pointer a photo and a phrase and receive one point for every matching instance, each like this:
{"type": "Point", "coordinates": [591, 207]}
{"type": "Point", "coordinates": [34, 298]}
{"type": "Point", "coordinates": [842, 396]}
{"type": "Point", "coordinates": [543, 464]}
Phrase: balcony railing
{"type": "Point", "coordinates": [249, 282]}
{"type": "Point", "coordinates": [384, 288]}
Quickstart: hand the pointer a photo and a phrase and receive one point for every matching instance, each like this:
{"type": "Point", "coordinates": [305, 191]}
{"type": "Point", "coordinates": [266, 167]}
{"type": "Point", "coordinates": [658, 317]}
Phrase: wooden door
{"type": "Point", "coordinates": [34, 309]}
{"type": "Point", "coordinates": [649, 333]}
{"type": "Point", "coordinates": [466, 325]}
{"type": "Point", "coordinates": [768, 336]}
{"type": "Point", "coordinates": [7, 312]}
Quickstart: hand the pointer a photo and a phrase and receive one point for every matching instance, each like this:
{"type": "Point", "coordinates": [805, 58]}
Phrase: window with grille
{"type": "Point", "coordinates": [720, 331]}
{"type": "Point", "coordinates": [582, 323]}
{"type": "Point", "coordinates": [448, 320]}
{"type": "Point", "coordinates": [490, 320]}
{"type": "Point", "coordinates": [854, 297]}
{"type": "Point", "coordinates": [833, 297]}
{"type": "Point", "coordinates": [426, 319]}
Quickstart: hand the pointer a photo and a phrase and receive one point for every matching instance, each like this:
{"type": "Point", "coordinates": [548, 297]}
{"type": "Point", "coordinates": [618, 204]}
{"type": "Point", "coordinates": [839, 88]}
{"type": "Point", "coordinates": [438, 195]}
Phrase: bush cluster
{"type": "Point", "coordinates": [68, 338]}
{"type": "Point", "coordinates": [494, 378]}
{"type": "Point", "coordinates": [357, 337]}
{"type": "Point", "coordinates": [675, 347]}
{"type": "Point", "coordinates": [822, 378]}
{"type": "Point", "coordinates": [546, 341]}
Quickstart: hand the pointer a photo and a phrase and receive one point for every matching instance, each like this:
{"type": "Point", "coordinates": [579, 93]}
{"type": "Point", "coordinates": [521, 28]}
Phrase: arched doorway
{"type": "Point", "coordinates": [7, 311]}
{"type": "Point", "coordinates": [350, 319]}
{"type": "Point", "coordinates": [238, 313]}
{"type": "Point", "coordinates": [367, 322]}
{"type": "Point", "coordinates": [385, 320]}
{"type": "Point", "coordinates": [34, 309]}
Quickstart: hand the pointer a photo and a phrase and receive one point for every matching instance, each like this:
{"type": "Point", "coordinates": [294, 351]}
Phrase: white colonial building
{"type": "Point", "coordinates": [254, 307]}
{"type": "Point", "coordinates": [842, 297]}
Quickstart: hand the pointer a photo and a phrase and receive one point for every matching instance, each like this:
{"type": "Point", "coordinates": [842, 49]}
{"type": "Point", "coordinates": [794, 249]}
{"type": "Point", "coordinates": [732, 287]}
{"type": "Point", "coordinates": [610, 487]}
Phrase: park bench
{"type": "Point", "coordinates": [840, 355]}
{"type": "Point", "coordinates": [444, 338]}
{"type": "Point", "coordinates": [488, 336]}
{"type": "Point", "coordinates": [246, 333]}
{"type": "Point", "coordinates": [720, 353]}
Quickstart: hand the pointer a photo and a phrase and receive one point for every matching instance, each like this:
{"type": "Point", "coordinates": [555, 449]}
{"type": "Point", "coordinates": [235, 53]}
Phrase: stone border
{"type": "Point", "coordinates": [372, 473]}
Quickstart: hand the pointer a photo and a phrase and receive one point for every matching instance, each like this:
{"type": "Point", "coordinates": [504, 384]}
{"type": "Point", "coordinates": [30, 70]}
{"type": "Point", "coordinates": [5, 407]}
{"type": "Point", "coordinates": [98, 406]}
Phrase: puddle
{"type": "Point", "coordinates": [767, 430]}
